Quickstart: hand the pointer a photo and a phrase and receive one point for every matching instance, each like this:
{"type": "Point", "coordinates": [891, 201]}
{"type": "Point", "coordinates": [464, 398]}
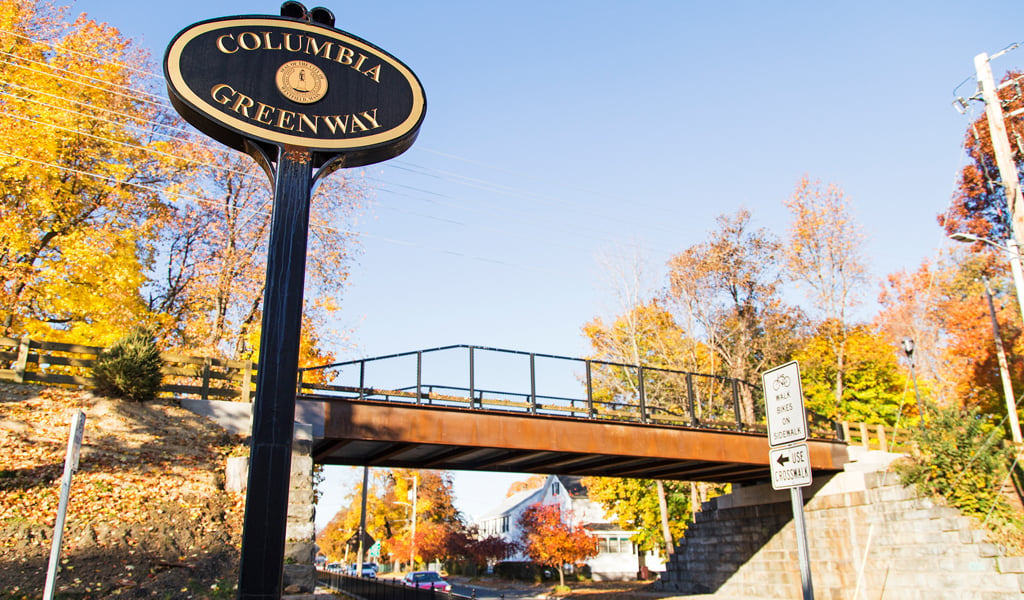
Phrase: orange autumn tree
{"type": "Point", "coordinates": [551, 541]}
{"type": "Point", "coordinates": [83, 143]}
{"type": "Point", "coordinates": [213, 281]}
{"type": "Point", "coordinates": [727, 293]}
{"type": "Point", "coordinates": [942, 306]}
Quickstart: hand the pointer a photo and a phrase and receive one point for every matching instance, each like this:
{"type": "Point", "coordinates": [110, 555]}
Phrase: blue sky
{"type": "Point", "coordinates": [560, 132]}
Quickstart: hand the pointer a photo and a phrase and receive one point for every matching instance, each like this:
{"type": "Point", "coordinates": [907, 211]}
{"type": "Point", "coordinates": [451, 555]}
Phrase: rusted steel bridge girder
{"type": "Point", "coordinates": [382, 434]}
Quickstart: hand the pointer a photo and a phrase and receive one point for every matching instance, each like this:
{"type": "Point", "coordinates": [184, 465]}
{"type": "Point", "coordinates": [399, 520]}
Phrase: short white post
{"type": "Point", "coordinates": [70, 467]}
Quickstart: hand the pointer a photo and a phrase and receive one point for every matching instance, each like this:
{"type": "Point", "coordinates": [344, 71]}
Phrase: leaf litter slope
{"type": "Point", "coordinates": [147, 513]}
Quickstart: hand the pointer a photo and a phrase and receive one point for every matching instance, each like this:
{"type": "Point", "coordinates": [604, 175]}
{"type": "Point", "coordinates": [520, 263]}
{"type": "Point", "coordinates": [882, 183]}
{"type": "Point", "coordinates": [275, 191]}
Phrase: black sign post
{"type": "Point", "coordinates": [298, 95]}
{"type": "Point", "coordinates": [273, 417]}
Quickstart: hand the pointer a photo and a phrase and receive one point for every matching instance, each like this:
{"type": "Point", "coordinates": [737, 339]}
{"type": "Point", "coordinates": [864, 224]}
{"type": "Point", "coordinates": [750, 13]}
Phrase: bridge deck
{"type": "Point", "coordinates": [410, 435]}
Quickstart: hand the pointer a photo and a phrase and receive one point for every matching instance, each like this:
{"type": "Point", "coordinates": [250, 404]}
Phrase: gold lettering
{"type": "Point", "coordinates": [284, 118]}
{"type": "Point", "coordinates": [373, 73]}
{"type": "Point", "coordinates": [359, 63]}
{"type": "Point", "coordinates": [344, 55]}
{"type": "Point", "coordinates": [242, 105]}
{"type": "Point", "coordinates": [248, 40]}
{"type": "Point", "coordinates": [311, 123]}
{"type": "Point", "coordinates": [357, 123]}
{"type": "Point", "coordinates": [263, 113]}
{"type": "Point", "coordinates": [222, 47]}
{"type": "Point", "coordinates": [336, 122]}
{"type": "Point", "coordinates": [315, 50]}
{"type": "Point", "coordinates": [219, 88]}
{"type": "Point", "coordinates": [372, 118]}
{"type": "Point", "coordinates": [288, 43]}
{"type": "Point", "coordinates": [267, 44]}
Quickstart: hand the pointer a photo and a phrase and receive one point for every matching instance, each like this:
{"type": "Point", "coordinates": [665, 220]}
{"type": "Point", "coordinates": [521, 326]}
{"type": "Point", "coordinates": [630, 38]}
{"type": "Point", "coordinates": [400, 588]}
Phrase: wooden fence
{"type": "Point", "coordinates": [873, 436]}
{"type": "Point", "coordinates": [53, 363]}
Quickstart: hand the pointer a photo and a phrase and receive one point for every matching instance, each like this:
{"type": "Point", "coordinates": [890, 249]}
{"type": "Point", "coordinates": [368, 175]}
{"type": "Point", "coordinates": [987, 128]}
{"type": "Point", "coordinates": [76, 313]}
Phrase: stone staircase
{"type": "Point", "coordinates": [869, 537]}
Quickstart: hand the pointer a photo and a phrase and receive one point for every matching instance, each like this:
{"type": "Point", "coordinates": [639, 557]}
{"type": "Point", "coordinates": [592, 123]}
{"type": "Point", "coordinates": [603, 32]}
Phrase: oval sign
{"type": "Point", "coordinates": [280, 81]}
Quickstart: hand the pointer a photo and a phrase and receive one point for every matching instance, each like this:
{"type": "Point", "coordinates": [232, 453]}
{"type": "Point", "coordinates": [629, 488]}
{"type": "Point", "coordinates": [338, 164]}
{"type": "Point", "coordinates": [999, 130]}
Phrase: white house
{"type": "Point", "coordinates": [617, 555]}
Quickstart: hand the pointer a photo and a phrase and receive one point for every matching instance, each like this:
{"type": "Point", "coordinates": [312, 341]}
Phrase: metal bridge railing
{"type": "Point", "coordinates": [643, 395]}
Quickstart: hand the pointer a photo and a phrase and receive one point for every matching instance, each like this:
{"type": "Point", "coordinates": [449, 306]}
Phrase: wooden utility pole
{"type": "Point", "coordinates": [412, 538]}
{"type": "Point", "coordinates": [362, 522]}
{"type": "Point", "coordinates": [1011, 187]}
{"type": "Point", "coordinates": [1004, 370]}
{"type": "Point", "coordinates": [1001, 143]}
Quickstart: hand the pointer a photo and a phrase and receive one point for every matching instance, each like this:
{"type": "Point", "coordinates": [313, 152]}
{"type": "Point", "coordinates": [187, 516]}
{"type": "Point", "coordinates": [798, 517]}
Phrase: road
{"type": "Point", "coordinates": [486, 593]}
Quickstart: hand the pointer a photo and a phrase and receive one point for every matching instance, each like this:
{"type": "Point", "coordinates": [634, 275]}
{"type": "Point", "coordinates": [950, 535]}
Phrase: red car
{"type": "Point", "coordinates": [426, 580]}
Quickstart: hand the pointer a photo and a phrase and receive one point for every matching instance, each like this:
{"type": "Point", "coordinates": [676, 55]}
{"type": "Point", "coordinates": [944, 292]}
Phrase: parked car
{"type": "Point", "coordinates": [335, 567]}
{"type": "Point", "coordinates": [426, 580]}
{"type": "Point", "coordinates": [369, 570]}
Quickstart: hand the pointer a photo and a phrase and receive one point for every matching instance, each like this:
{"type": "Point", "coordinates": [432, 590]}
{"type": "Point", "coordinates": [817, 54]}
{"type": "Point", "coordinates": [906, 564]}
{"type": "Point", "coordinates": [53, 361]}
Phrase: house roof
{"type": "Point", "coordinates": [573, 485]}
{"type": "Point", "coordinates": [510, 503]}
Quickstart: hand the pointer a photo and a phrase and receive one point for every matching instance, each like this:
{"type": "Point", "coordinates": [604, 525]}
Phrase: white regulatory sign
{"type": "Point", "coordinates": [791, 466]}
{"type": "Point", "coordinates": [784, 403]}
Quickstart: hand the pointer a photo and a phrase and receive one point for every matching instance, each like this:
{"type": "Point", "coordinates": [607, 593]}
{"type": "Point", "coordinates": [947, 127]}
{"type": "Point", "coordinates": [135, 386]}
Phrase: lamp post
{"type": "Point", "coordinates": [908, 349]}
{"type": "Point", "coordinates": [1013, 250]}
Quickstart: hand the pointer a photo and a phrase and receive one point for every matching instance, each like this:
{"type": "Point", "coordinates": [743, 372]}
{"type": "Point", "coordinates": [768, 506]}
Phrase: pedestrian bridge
{"type": "Point", "coordinates": [488, 409]}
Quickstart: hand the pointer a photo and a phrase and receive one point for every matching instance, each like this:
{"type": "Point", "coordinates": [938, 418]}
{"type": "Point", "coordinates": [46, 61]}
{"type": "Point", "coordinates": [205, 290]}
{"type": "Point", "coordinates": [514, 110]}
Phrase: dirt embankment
{"type": "Point", "coordinates": [148, 516]}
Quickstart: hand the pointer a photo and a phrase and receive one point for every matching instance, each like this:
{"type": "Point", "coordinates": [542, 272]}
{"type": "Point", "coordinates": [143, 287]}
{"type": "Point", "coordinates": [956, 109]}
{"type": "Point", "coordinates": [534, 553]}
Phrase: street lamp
{"type": "Point", "coordinates": [1013, 250]}
{"type": "Point", "coordinates": [908, 349]}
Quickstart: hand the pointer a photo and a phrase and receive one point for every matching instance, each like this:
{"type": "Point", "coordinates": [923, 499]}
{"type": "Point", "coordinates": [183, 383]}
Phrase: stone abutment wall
{"type": "Point", "coordinates": [869, 537]}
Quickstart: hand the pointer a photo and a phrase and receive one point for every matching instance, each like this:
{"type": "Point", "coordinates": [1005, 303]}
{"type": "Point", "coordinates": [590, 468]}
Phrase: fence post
{"type": "Point", "coordinates": [846, 432]}
{"type": "Point", "coordinates": [472, 382]}
{"type": "Point", "coordinates": [533, 383]}
{"type": "Point", "coordinates": [362, 379]}
{"type": "Point", "coordinates": [882, 443]}
{"type": "Point", "coordinates": [207, 364]}
{"type": "Point", "coordinates": [419, 376]}
{"type": "Point", "coordinates": [247, 382]}
{"type": "Point", "coordinates": [643, 400]}
{"type": "Point", "coordinates": [692, 400]}
{"type": "Point", "coordinates": [22, 362]}
{"type": "Point", "coordinates": [865, 437]}
{"type": "Point", "coordinates": [590, 392]}
{"type": "Point", "coordinates": [736, 403]}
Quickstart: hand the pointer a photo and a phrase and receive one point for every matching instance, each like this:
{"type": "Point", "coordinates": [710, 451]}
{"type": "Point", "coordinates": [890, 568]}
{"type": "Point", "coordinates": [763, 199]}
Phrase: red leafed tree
{"type": "Point", "coordinates": [489, 549]}
{"type": "Point", "coordinates": [551, 541]}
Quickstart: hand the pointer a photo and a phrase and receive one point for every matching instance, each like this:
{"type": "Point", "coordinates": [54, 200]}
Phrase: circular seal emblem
{"type": "Point", "coordinates": [301, 81]}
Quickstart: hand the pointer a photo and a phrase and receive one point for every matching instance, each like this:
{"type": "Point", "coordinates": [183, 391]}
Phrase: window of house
{"type": "Point", "coordinates": [504, 524]}
{"type": "Point", "coordinates": [615, 545]}
{"type": "Point", "coordinates": [554, 489]}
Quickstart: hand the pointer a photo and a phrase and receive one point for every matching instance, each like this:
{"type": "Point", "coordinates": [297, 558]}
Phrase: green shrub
{"type": "Point", "coordinates": [959, 455]}
{"type": "Point", "coordinates": [130, 368]}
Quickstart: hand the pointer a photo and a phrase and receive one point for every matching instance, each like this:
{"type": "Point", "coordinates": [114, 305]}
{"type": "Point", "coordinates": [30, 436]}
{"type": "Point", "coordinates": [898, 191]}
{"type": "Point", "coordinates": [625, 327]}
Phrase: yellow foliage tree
{"type": "Point", "coordinates": [824, 254]}
{"type": "Point", "coordinates": [78, 211]}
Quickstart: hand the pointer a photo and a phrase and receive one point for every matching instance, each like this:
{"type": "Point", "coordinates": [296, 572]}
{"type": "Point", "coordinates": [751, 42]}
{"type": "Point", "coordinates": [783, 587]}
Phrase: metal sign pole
{"type": "Point", "coordinates": [261, 568]}
{"type": "Point", "coordinates": [788, 454]}
{"type": "Point", "coordinates": [796, 496]}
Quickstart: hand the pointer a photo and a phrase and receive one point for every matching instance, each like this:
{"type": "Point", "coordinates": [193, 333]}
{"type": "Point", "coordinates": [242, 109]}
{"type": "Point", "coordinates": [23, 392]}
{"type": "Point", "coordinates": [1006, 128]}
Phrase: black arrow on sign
{"type": "Point", "coordinates": [783, 459]}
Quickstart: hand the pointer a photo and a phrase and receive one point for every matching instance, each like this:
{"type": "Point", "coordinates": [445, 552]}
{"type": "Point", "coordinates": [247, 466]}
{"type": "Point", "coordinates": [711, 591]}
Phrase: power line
{"type": "Point", "coordinates": [414, 168]}
{"type": "Point", "coordinates": [155, 99]}
{"type": "Point", "coordinates": [467, 181]}
{"type": "Point", "coordinates": [90, 56]}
